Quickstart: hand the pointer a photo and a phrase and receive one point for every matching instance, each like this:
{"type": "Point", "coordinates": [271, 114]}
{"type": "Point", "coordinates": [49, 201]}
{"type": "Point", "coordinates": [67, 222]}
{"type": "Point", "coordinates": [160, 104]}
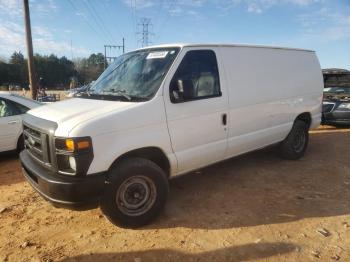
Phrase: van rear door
{"type": "Point", "coordinates": [196, 106]}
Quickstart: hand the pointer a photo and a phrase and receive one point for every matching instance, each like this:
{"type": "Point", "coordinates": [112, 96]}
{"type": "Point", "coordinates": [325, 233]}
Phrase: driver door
{"type": "Point", "coordinates": [196, 107]}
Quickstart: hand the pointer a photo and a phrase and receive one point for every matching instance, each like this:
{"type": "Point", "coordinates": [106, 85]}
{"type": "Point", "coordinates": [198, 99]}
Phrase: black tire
{"type": "Point", "coordinates": [295, 144]}
{"type": "Point", "coordinates": [134, 181]}
{"type": "Point", "coordinates": [20, 144]}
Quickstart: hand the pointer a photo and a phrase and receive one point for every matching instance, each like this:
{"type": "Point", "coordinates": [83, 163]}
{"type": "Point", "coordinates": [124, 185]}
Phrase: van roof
{"type": "Point", "coordinates": [224, 45]}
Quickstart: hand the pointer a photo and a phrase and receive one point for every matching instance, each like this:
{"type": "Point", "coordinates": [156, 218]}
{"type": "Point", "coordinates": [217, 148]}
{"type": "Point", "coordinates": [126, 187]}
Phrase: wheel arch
{"type": "Point", "coordinates": [20, 142]}
{"type": "Point", "coordinates": [305, 117]}
{"type": "Point", "coordinates": [154, 154]}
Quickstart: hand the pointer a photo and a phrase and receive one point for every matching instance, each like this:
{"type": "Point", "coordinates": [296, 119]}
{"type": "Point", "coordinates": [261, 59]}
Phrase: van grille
{"type": "Point", "coordinates": [37, 143]}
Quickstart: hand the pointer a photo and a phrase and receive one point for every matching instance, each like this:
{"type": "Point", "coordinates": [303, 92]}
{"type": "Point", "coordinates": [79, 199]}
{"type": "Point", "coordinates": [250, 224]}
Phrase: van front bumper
{"type": "Point", "coordinates": [68, 191]}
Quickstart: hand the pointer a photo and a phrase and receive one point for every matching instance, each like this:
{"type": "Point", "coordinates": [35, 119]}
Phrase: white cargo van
{"type": "Point", "coordinates": [165, 110]}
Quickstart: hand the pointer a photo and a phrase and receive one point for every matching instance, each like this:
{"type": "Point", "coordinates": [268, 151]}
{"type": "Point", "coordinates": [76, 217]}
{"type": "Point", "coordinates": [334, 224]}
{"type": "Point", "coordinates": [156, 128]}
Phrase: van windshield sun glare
{"type": "Point", "coordinates": [134, 76]}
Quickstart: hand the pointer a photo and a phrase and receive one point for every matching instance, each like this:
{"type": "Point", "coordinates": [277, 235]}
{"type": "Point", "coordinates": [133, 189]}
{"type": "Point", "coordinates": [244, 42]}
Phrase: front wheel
{"type": "Point", "coordinates": [295, 144]}
{"type": "Point", "coordinates": [135, 194]}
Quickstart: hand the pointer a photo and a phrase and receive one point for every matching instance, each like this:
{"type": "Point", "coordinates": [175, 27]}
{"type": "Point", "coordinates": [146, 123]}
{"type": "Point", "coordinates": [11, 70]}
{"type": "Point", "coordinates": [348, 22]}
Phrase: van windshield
{"type": "Point", "coordinates": [134, 76]}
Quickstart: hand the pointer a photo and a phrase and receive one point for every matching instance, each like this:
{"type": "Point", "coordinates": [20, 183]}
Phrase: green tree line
{"type": "Point", "coordinates": [57, 72]}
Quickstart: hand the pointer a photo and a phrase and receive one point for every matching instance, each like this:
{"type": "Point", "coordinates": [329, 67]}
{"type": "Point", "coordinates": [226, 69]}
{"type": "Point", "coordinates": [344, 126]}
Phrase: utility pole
{"type": "Point", "coordinates": [110, 47]}
{"type": "Point", "coordinates": [31, 69]}
{"type": "Point", "coordinates": [145, 24]}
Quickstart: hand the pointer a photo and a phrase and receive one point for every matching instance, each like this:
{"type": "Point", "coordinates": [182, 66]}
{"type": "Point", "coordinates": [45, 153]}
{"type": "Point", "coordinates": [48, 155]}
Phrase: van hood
{"type": "Point", "coordinates": [74, 111]}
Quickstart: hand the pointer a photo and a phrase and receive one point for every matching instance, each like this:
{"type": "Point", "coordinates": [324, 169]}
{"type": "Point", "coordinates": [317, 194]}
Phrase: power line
{"type": "Point", "coordinates": [133, 14]}
{"type": "Point", "coordinates": [111, 16]}
{"type": "Point", "coordinates": [96, 20]}
{"type": "Point", "coordinates": [95, 11]}
{"type": "Point", "coordinates": [158, 13]}
{"type": "Point", "coordinates": [86, 20]}
{"type": "Point", "coordinates": [163, 25]}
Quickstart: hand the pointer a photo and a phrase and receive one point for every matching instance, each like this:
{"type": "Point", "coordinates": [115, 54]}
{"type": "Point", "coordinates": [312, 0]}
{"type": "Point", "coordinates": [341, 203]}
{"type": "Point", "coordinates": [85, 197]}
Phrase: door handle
{"type": "Point", "coordinates": [12, 122]}
{"type": "Point", "coordinates": [224, 119]}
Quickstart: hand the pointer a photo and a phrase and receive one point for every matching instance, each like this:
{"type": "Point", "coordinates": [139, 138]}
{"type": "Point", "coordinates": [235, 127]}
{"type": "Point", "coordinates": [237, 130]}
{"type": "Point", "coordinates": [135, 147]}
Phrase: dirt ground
{"type": "Point", "coordinates": [256, 207]}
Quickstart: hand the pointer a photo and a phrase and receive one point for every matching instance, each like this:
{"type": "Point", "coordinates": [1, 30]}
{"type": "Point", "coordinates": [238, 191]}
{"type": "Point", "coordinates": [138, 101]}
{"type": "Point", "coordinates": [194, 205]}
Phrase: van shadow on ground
{"type": "Point", "coordinates": [236, 253]}
{"type": "Point", "coordinates": [10, 171]}
{"type": "Point", "coordinates": [6, 156]}
{"type": "Point", "coordinates": [261, 188]}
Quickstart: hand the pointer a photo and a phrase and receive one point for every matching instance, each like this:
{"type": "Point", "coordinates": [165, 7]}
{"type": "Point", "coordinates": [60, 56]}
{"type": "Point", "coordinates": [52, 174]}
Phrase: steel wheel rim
{"type": "Point", "coordinates": [136, 195]}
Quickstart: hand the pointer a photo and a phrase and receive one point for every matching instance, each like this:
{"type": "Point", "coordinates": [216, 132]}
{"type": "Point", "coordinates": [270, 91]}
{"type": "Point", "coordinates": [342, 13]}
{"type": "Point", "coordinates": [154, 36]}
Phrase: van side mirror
{"type": "Point", "coordinates": [177, 91]}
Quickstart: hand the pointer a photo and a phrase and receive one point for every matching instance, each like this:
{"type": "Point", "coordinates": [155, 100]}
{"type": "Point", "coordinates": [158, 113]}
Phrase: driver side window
{"type": "Point", "coordinates": [197, 77]}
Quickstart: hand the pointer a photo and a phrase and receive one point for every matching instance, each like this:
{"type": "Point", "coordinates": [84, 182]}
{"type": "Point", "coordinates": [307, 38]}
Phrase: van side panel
{"type": "Point", "coordinates": [268, 89]}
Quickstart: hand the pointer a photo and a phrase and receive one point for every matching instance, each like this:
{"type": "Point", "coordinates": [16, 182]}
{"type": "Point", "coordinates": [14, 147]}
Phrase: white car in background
{"type": "Point", "coordinates": [12, 107]}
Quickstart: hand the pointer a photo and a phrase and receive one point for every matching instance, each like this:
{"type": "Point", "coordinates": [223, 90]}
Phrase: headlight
{"type": "Point", "coordinates": [74, 155]}
{"type": "Point", "coordinates": [344, 105]}
{"type": "Point", "coordinates": [72, 163]}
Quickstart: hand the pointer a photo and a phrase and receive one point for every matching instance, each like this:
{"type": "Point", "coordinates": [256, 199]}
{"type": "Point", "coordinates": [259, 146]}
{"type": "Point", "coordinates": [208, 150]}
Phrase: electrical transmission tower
{"type": "Point", "coordinates": [109, 58]}
{"type": "Point", "coordinates": [145, 24]}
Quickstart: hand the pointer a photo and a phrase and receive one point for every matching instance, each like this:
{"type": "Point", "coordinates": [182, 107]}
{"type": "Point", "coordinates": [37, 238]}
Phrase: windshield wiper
{"type": "Point", "coordinates": [112, 96]}
{"type": "Point", "coordinates": [117, 92]}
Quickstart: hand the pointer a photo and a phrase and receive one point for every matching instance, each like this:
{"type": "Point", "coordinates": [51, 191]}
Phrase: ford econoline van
{"type": "Point", "coordinates": [162, 111]}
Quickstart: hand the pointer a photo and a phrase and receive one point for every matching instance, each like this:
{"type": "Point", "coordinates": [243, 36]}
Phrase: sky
{"type": "Point", "coordinates": [77, 28]}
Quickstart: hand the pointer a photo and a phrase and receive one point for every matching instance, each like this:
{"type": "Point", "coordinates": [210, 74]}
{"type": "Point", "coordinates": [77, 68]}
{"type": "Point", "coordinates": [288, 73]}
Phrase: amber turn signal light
{"type": "Point", "coordinates": [83, 144]}
{"type": "Point", "coordinates": [70, 144]}
{"type": "Point", "coordinates": [78, 145]}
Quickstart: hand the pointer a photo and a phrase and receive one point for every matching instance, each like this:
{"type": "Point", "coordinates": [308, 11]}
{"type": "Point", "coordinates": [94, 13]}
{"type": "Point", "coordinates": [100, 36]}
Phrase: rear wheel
{"type": "Point", "coordinates": [295, 144]}
{"type": "Point", "coordinates": [136, 193]}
